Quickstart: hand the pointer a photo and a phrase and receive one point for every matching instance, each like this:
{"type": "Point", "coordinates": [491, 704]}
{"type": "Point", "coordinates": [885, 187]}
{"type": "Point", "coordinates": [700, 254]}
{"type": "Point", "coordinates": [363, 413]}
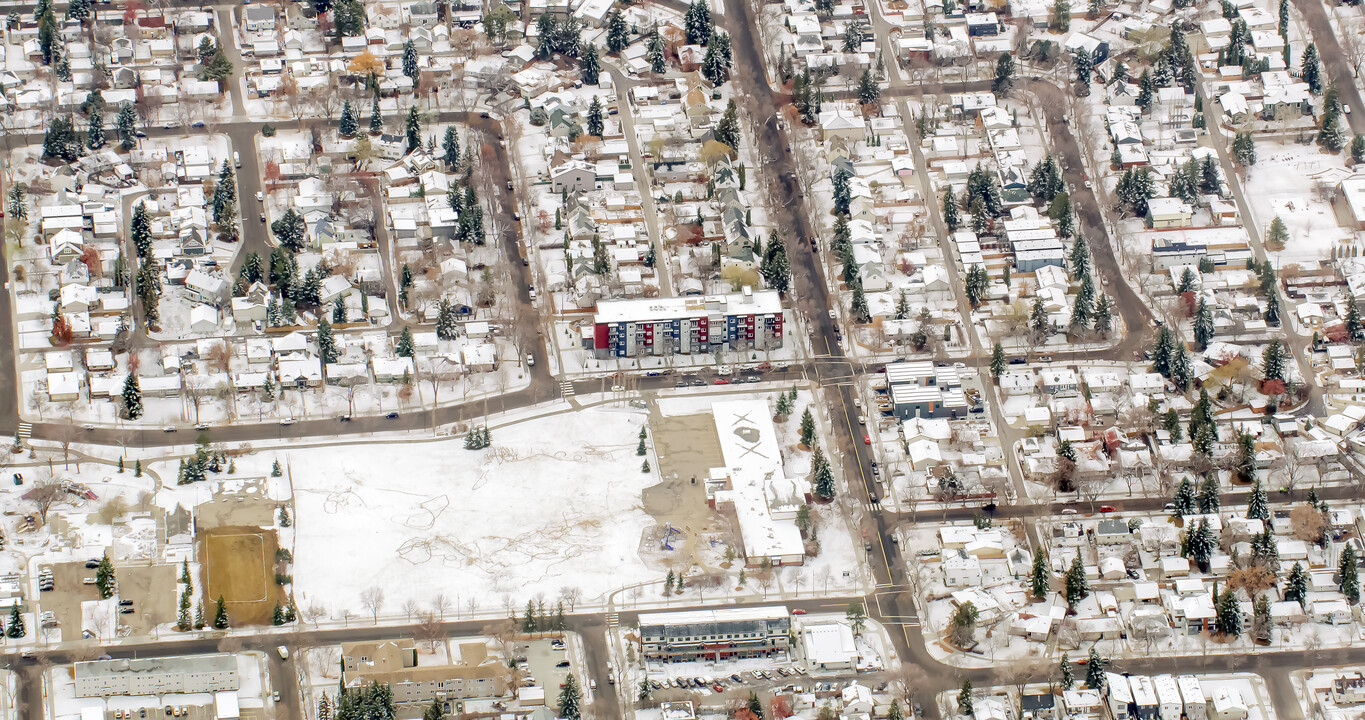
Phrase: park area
{"type": "Point", "coordinates": [238, 566]}
{"type": "Point", "coordinates": [555, 503]}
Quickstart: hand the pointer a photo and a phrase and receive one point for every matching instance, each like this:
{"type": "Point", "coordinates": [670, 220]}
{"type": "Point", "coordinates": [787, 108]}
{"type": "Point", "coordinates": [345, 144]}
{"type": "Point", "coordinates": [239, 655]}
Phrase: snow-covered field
{"type": "Point", "coordinates": [555, 503]}
{"type": "Point", "coordinates": [1283, 183]}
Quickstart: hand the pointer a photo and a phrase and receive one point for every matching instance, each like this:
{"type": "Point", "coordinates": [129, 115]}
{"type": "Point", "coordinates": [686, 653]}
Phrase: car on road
{"type": "Point", "coordinates": [1107, 509]}
{"type": "Point", "coordinates": [977, 409]}
{"type": "Point", "coordinates": [681, 384]}
{"type": "Point", "coordinates": [722, 381]}
{"type": "Point", "coordinates": [197, 124]}
{"type": "Point", "coordinates": [530, 360]}
{"type": "Point", "coordinates": [392, 416]}
{"type": "Point", "coordinates": [262, 217]}
{"type": "Point", "coordinates": [287, 422]}
{"type": "Point", "coordinates": [343, 418]}
{"type": "Point", "coordinates": [867, 439]}
{"type": "Point", "coordinates": [798, 611]}
{"type": "Point", "coordinates": [654, 373]}
{"type": "Point", "coordinates": [725, 370]}
{"type": "Point", "coordinates": [259, 196]}
{"type": "Point", "coordinates": [862, 419]}
{"type": "Point", "coordinates": [1016, 361]}
{"type": "Point", "coordinates": [752, 378]}
{"type": "Point", "coordinates": [698, 383]}
{"type": "Point", "coordinates": [168, 429]}
{"type": "Point", "coordinates": [562, 664]}
{"type": "Point", "coordinates": [832, 314]}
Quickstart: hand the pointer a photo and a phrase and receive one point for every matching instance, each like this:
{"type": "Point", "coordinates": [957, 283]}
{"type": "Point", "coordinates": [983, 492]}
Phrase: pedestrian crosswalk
{"type": "Point", "coordinates": [25, 431]}
{"type": "Point", "coordinates": [613, 620]}
{"type": "Point", "coordinates": [566, 388]}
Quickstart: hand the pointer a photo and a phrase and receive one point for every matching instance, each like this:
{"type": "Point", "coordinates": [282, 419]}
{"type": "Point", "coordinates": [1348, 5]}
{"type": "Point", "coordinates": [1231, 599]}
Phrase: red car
{"type": "Point", "coordinates": [722, 381]}
{"type": "Point", "coordinates": [867, 439]}
{"type": "Point", "coordinates": [1107, 509]}
{"type": "Point", "coordinates": [798, 611]}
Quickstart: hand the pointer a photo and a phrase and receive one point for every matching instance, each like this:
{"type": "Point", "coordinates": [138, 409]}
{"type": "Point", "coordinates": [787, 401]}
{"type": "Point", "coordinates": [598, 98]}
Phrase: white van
{"type": "Point", "coordinates": [236, 160]}
{"type": "Point", "coordinates": [283, 651]}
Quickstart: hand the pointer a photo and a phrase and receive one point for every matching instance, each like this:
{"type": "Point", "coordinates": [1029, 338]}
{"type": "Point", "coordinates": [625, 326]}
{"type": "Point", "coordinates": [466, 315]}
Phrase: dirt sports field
{"type": "Point", "coordinates": [239, 564]}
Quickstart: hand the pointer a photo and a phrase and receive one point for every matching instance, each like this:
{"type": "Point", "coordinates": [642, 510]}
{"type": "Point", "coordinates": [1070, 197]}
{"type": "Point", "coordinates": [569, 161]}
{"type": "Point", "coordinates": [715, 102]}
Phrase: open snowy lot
{"type": "Point", "coordinates": [554, 503]}
{"type": "Point", "coordinates": [1285, 182]}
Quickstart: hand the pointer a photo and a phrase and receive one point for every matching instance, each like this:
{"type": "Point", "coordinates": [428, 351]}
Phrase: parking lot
{"type": "Point", "coordinates": [738, 679]}
{"type": "Point", "coordinates": [547, 661]}
{"type": "Point", "coordinates": [68, 592]}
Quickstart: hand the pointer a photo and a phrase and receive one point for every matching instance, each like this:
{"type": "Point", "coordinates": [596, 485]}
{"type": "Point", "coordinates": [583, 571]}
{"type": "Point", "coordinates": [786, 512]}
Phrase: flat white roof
{"type": "Point", "coordinates": [692, 617]}
{"type": "Point", "coordinates": [748, 439]}
{"type": "Point", "coordinates": [761, 302]}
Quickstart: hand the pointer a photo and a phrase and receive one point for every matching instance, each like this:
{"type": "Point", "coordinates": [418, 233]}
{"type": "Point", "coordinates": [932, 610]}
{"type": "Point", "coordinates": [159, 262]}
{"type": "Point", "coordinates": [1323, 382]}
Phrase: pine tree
{"type": "Point", "coordinates": [618, 32]}
{"type": "Point", "coordinates": [869, 92]}
{"type": "Point", "coordinates": [965, 706]}
{"type": "Point", "coordinates": [1273, 361]}
{"type": "Point", "coordinates": [224, 192]}
{"type": "Point", "coordinates": [589, 66]}
{"type": "Point", "coordinates": [1068, 681]}
{"type": "Point", "coordinates": [1262, 624]}
{"type": "Point", "coordinates": [1077, 586]}
{"type": "Point", "coordinates": [951, 219]}
{"type": "Point", "coordinates": [655, 53]}
{"type": "Point", "coordinates": [775, 268]}
{"type": "Point", "coordinates": [569, 697]}
{"type": "Point", "coordinates": [1228, 614]}
{"type": "Point", "coordinates": [1296, 587]}
{"type": "Point", "coordinates": [105, 581]}
{"type": "Point", "coordinates": [410, 61]}
{"type": "Point", "coordinates": [1184, 498]}
{"type": "Point", "coordinates": [1310, 69]}
{"type": "Point", "coordinates": [808, 428]}
{"type": "Point", "coordinates": [997, 361]}
{"type": "Point", "coordinates": [220, 616]}
{"type": "Point", "coordinates": [1203, 324]}
{"type": "Point", "coordinates": [1200, 544]}
{"type": "Point", "coordinates": [376, 118]}
{"type": "Point", "coordinates": [1094, 670]}
{"type": "Point", "coordinates": [126, 121]}
{"type": "Point", "coordinates": [1208, 495]}
{"type": "Point", "coordinates": [140, 228]}
{"type": "Point", "coordinates": [822, 478]}
{"type": "Point", "coordinates": [16, 627]}
{"type": "Point", "coordinates": [595, 124]}
{"type": "Point", "coordinates": [1348, 578]}
{"type": "Point", "coordinates": [1244, 149]}
{"type": "Point", "coordinates": [1004, 75]}
{"type": "Point", "coordinates": [726, 132]}
{"type": "Point", "coordinates": [1040, 579]}
{"type": "Point", "coordinates": [277, 617]}
{"type": "Point", "coordinates": [412, 129]}
{"type": "Point", "coordinates": [132, 397]}
{"type": "Point", "coordinates": [406, 347]}
{"type": "Point", "coordinates": [1038, 319]}
{"type": "Point", "coordinates": [347, 126]}
{"type": "Point", "coordinates": [1104, 322]}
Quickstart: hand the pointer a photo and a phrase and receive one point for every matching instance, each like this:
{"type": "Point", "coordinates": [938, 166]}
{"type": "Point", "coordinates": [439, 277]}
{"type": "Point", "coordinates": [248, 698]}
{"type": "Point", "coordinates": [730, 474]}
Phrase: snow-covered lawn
{"type": "Point", "coordinates": [1283, 182]}
{"type": "Point", "coordinates": [555, 503]}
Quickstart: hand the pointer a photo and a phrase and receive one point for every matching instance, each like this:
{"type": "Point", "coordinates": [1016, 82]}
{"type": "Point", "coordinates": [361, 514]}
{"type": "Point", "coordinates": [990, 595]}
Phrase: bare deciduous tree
{"type": "Point", "coordinates": [46, 494]}
{"type": "Point", "coordinates": [373, 599]}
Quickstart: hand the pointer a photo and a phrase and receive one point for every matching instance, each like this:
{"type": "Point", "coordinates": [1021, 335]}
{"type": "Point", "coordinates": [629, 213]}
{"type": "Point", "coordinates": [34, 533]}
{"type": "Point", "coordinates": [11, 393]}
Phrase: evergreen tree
{"type": "Point", "coordinates": [950, 215]}
{"type": "Point", "coordinates": [1040, 579]}
{"type": "Point", "coordinates": [569, 697]}
{"type": "Point", "coordinates": [698, 24]}
{"type": "Point", "coordinates": [1068, 681]}
{"type": "Point", "coordinates": [405, 347]}
{"type": "Point", "coordinates": [327, 347]}
{"type": "Point", "coordinates": [412, 129]}
{"type": "Point", "coordinates": [105, 581]}
{"type": "Point", "coordinates": [60, 140]}
{"type": "Point", "coordinates": [1203, 324]}
{"type": "Point", "coordinates": [1262, 624]}
{"type": "Point", "coordinates": [1244, 149]}
{"type": "Point", "coordinates": [726, 132]}
{"type": "Point", "coordinates": [589, 66]}
{"type": "Point", "coordinates": [220, 616]}
{"type": "Point", "coordinates": [1061, 15]}
{"type": "Point", "coordinates": [1077, 586]}
{"type": "Point", "coordinates": [822, 478]}
{"type": "Point", "coordinates": [655, 53]}
{"type": "Point", "coordinates": [1273, 361]}
{"type": "Point", "coordinates": [1296, 587]}
{"type": "Point", "coordinates": [1038, 320]}
{"type": "Point", "coordinates": [713, 66]}
{"type": "Point", "coordinates": [997, 361]}
{"type": "Point", "coordinates": [1094, 670]}
{"type": "Point", "coordinates": [1200, 544]}
{"type": "Point", "coordinates": [132, 397]}
{"type": "Point", "coordinates": [1104, 322]}
{"type": "Point", "coordinates": [376, 118]}
{"type": "Point", "coordinates": [1348, 578]}
{"type": "Point", "coordinates": [869, 92]}
{"type": "Point", "coordinates": [277, 617]}
{"type": "Point", "coordinates": [1228, 614]}
{"type": "Point", "coordinates": [410, 61]}
{"type": "Point", "coordinates": [965, 706]}
{"type": "Point", "coordinates": [1084, 64]}
{"type": "Point", "coordinates": [808, 429]}
{"type": "Point", "coordinates": [126, 122]}
{"type": "Point", "coordinates": [16, 627]}
{"type": "Point", "coordinates": [1355, 328]}
{"type": "Point", "coordinates": [1184, 498]}
{"type": "Point", "coordinates": [1004, 75]}
{"type": "Point", "coordinates": [618, 32]}
{"type": "Point", "coordinates": [289, 230]}
{"type": "Point", "coordinates": [775, 268]}
{"type": "Point", "coordinates": [224, 193]}
{"type": "Point", "coordinates": [1310, 69]}
{"type": "Point", "coordinates": [1208, 494]}
{"type": "Point", "coordinates": [347, 126]}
